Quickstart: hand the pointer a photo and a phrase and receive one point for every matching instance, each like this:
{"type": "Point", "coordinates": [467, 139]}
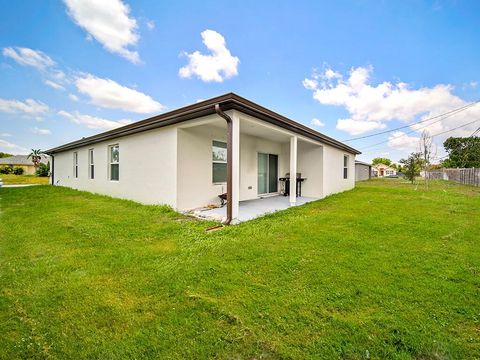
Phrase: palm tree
{"type": "Point", "coordinates": [36, 156]}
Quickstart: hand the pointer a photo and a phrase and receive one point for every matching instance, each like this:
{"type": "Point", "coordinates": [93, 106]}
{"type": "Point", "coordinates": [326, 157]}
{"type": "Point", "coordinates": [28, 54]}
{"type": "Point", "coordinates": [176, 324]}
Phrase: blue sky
{"type": "Point", "coordinates": [75, 68]}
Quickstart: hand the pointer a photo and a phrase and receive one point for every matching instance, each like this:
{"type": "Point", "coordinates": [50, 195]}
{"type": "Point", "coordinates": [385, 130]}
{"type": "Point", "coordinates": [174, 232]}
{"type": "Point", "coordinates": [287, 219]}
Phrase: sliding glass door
{"type": "Point", "coordinates": [267, 173]}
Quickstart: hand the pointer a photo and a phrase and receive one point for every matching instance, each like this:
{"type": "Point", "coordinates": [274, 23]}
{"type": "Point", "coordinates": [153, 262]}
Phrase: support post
{"type": "Point", "coordinates": [235, 165]}
{"type": "Point", "coordinates": [293, 170]}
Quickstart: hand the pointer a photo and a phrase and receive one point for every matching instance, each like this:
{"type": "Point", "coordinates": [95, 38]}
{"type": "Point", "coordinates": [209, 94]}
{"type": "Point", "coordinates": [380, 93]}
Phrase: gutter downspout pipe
{"type": "Point", "coordinates": [228, 119]}
{"type": "Point", "coordinates": [52, 170]}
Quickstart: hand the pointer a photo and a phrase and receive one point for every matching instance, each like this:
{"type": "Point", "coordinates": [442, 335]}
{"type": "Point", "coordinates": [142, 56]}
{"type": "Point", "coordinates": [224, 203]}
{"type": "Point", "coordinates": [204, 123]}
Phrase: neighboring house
{"type": "Point", "coordinates": [179, 158]}
{"type": "Point", "coordinates": [22, 161]}
{"type": "Point", "coordinates": [381, 170]}
{"type": "Point", "coordinates": [363, 170]}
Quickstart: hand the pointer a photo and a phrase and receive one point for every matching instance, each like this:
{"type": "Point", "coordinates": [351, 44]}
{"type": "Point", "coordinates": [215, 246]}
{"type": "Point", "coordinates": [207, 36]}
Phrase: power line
{"type": "Point", "coordinates": [443, 132]}
{"type": "Point", "coordinates": [445, 115]}
{"type": "Point", "coordinates": [458, 127]}
{"type": "Point", "coordinates": [415, 130]}
{"type": "Point", "coordinates": [475, 132]}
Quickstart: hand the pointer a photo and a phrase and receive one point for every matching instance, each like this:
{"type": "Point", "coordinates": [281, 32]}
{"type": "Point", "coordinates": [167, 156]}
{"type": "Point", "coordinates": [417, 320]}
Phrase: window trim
{"type": "Point", "coordinates": [218, 162]}
{"type": "Point", "coordinates": [91, 164]}
{"type": "Point", "coordinates": [110, 162]}
{"type": "Point", "coordinates": [345, 166]}
{"type": "Point", "coordinates": [75, 164]}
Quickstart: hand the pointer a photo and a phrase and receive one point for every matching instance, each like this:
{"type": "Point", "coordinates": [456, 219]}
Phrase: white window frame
{"type": "Point", "coordinates": [346, 160]}
{"type": "Point", "coordinates": [75, 164]}
{"type": "Point", "coordinates": [218, 162]}
{"type": "Point", "coordinates": [111, 162]}
{"type": "Point", "coordinates": [91, 164]}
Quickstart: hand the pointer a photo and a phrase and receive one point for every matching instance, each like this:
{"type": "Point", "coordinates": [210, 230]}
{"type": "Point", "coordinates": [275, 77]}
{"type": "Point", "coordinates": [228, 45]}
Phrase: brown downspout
{"type": "Point", "coordinates": [228, 119]}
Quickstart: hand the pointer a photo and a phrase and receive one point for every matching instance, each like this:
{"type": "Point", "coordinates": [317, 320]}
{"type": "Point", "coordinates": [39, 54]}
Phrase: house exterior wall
{"type": "Point", "coordinates": [310, 165]}
{"type": "Point", "coordinates": [194, 171]}
{"type": "Point", "coordinates": [333, 181]}
{"type": "Point", "coordinates": [173, 165]}
{"type": "Point", "coordinates": [382, 170]}
{"type": "Point", "coordinates": [194, 152]}
{"type": "Point", "coordinates": [147, 167]}
{"type": "Point", "coordinates": [27, 169]}
{"type": "Point", "coordinates": [250, 146]}
{"type": "Point", "coordinates": [362, 172]}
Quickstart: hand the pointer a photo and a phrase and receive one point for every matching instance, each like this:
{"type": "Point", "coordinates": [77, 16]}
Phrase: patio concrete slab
{"type": "Point", "coordinates": [251, 209]}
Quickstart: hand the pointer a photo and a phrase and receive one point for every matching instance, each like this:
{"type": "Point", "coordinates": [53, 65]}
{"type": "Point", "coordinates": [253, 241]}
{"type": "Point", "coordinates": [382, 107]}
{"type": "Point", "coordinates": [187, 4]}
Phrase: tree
{"type": "Point", "coordinates": [412, 166]}
{"type": "Point", "coordinates": [36, 156]}
{"type": "Point", "coordinates": [463, 152]}
{"type": "Point", "coordinates": [380, 160]}
{"type": "Point", "coordinates": [43, 170]}
{"type": "Point", "coordinates": [427, 151]}
{"type": "Point", "coordinates": [4, 155]}
{"type": "Point", "coordinates": [397, 167]}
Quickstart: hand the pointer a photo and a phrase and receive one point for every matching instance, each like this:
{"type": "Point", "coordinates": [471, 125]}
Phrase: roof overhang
{"type": "Point", "coordinates": [362, 163]}
{"type": "Point", "coordinates": [227, 102]}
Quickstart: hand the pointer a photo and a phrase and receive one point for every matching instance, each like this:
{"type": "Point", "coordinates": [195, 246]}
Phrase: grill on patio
{"type": "Point", "coordinates": [286, 184]}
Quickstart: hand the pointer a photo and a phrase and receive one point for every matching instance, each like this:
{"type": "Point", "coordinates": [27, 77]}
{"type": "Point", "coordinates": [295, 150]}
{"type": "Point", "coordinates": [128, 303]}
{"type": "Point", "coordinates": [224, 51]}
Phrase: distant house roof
{"type": "Point", "coordinates": [386, 167]}
{"type": "Point", "coordinates": [21, 160]}
{"type": "Point", "coordinates": [362, 163]}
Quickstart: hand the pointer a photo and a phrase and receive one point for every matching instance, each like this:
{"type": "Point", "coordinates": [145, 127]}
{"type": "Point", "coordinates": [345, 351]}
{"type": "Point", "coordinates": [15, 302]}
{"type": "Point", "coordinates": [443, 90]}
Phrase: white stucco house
{"type": "Point", "coordinates": [382, 170]}
{"type": "Point", "coordinates": [180, 158]}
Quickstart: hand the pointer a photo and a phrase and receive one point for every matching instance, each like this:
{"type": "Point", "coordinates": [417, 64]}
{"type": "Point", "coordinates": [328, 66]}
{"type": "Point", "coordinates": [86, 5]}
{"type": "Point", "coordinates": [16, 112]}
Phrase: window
{"type": "Point", "coordinates": [114, 158]}
{"type": "Point", "coordinates": [91, 166]}
{"type": "Point", "coordinates": [219, 161]}
{"type": "Point", "coordinates": [345, 166]}
{"type": "Point", "coordinates": [75, 165]}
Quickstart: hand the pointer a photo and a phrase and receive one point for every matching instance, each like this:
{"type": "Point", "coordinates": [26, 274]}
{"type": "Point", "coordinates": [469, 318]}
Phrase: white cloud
{"type": "Point", "coordinates": [109, 94]}
{"type": "Point", "coordinates": [317, 122]}
{"type": "Point", "coordinates": [73, 97]}
{"type": "Point", "coordinates": [5, 135]}
{"type": "Point", "coordinates": [470, 85]}
{"type": "Point", "coordinates": [330, 74]}
{"type": "Point", "coordinates": [54, 85]}
{"type": "Point", "coordinates": [29, 57]}
{"type": "Point", "coordinates": [403, 142]}
{"type": "Point", "coordinates": [39, 131]}
{"type": "Point", "coordinates": [6, 146]}
{"type": "Point", "coordinates": [58, 75]}
{"type": "Point", "coordinates": [371, 106]}
{"type": "Point", "coordinates": [29, 106]}
{"type": "Point", "coordinates": [150, 24]}
{"type": "Point", "coordinates": [93, 122]}
{"type": "Point", "coordinates": [217, 66]}
{"type": "Point", "coordinates": [109, 22]}
{"type": "Point", "coordinates": [310, 84]}
{"type": "Point", "coordinates": [357, 127]}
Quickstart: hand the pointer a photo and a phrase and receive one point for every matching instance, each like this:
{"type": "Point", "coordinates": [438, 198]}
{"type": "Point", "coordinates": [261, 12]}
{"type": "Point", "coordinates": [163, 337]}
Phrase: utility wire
{"type": "Point", "coordinates": [440, 133]}
{"type": "Point", "coordinates": [445, 115]}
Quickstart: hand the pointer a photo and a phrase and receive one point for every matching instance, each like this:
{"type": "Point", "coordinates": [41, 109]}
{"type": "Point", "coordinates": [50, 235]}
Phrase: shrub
{"type": "Point", "coordinates": [17, 170]}
{"type": "Point", "coordinates": [43, 170]}
{"type": "Point", "coordinates": [7, 169]}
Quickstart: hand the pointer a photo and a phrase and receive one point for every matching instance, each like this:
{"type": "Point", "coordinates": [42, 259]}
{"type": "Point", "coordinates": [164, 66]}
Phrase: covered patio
{"type": "Point", "coordinates": [263, 160]}
{"type": "Point", "coordinates": [251, 209]}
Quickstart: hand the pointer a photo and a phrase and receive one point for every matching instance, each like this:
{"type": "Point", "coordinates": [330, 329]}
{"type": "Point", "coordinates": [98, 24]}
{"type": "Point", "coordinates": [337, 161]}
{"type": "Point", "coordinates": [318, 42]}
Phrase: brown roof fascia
{"type": "Point", "coordinates": [227, 101]}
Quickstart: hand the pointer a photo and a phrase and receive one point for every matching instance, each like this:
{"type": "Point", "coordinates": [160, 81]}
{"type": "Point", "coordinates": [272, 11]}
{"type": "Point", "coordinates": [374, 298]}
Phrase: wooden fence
{"type": "Point", "coordinates": [469, 176]}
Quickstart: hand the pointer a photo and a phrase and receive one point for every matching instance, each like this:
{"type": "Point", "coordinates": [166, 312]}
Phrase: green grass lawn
{"type": "Point", "coordinates": [383, 271]}
{"type": "Point", "coordinates": [9, 179]}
